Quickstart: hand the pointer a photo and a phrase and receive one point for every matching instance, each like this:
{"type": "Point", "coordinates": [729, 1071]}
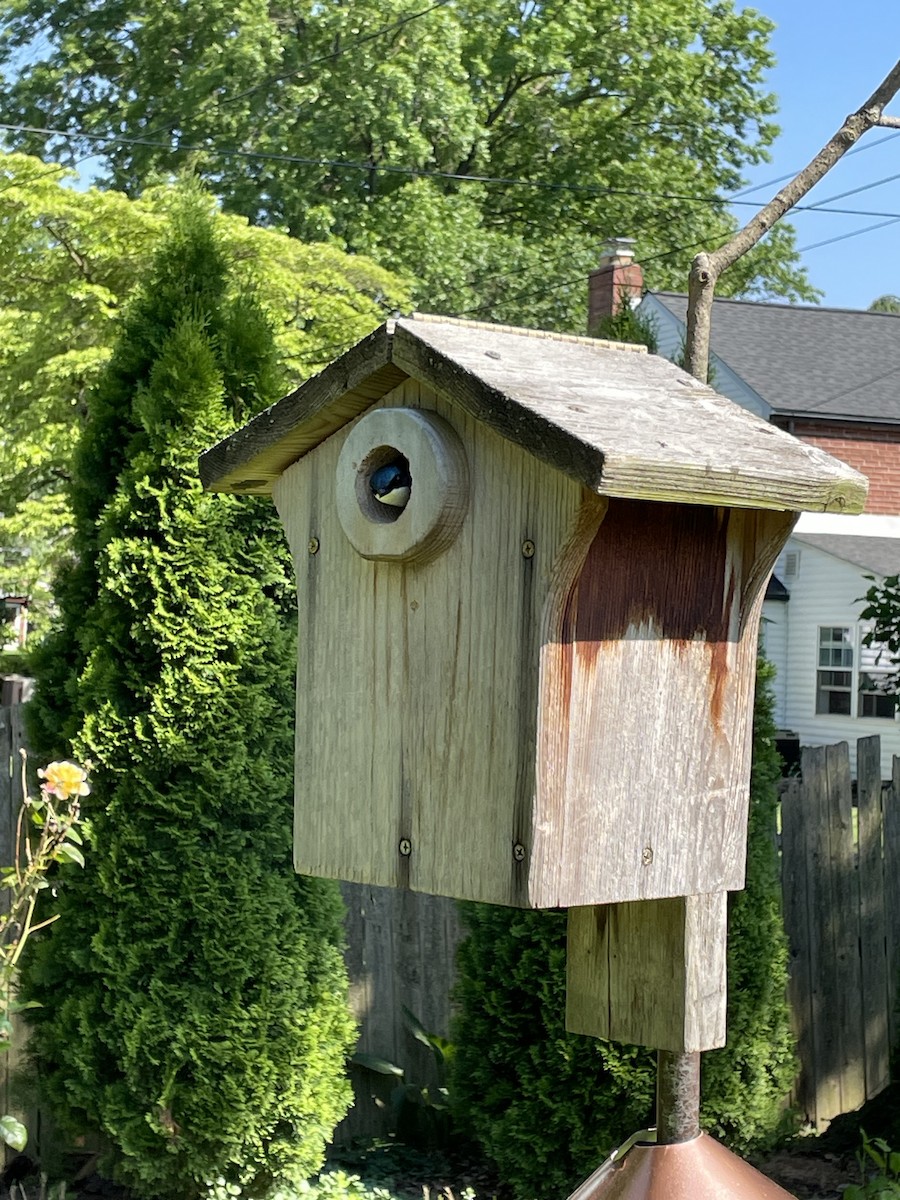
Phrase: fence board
{"type": "Point", "coordinates": [846, 981]}
{"type": "Point", "coordinates": [892, 891]}
{"type": "Point", "coordinates": [876, 994]}
{"type": "Point", "coordinates": [8, 774]}
{"type": "Point", "coordinates": [401, 953]}
{"type": "Point", "coordinates": [821, 949]}
{"type": "Point", "coordinates": [794, 828]}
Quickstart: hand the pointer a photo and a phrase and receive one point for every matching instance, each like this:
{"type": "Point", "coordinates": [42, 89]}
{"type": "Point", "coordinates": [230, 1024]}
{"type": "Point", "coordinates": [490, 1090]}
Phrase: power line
{"type": "Point", "coordinates": [369, 37]}
{"type": "Point", "coordinates": [844, 236]}
{"type": "Point", "coordinates": [423, 173]}
{"type": "Point", "coordinates": [866, 187]}
{"type": "Point", "coordinates": [758, 187]}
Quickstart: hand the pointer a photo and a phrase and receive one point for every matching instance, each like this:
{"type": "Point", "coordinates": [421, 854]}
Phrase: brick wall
{"type": "Point", "coordinates": [872, 449]}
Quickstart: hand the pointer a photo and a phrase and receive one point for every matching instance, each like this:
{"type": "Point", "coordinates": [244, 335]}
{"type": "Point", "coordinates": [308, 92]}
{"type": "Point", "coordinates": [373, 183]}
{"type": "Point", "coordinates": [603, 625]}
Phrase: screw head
{"type": "Point", "coordinates": [313, 545]}
{"type": "Point", "coordinates": [405, 847]}
{"type": "Point", "coordinates": [647, 856]}
{"type": "Point", "coordinates": [519, 852]}
{"type": "Point", "coordinates": [528, 548]}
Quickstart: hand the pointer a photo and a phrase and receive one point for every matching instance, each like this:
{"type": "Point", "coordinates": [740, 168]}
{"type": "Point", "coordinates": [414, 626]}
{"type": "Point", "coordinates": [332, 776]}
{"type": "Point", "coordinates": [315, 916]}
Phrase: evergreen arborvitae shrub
{"type": "Point", "coordinates": [194, 993]}
{"type": "Point", "coordinates": [547, 1105]}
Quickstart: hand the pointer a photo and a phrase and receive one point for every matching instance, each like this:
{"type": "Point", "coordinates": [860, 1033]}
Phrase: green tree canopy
{"type": "Point", "coordinates": [69, 260]}
{"type": "Point", "coordinates": [193, 997]}
{"type": "Point", "coordinates": [483, 147]}
{"type": "Point", "coordinates": [887, 303]}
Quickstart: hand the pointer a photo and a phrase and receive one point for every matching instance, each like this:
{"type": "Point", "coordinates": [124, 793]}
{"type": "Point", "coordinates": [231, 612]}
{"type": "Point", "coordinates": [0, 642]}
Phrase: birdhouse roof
{"type": "Point", "coordinates": [613, 417]}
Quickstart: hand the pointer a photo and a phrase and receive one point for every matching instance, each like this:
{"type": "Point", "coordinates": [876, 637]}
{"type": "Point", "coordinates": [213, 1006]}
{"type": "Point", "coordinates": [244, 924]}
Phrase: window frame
{"type": "Point", "coordinates": [832, 660]}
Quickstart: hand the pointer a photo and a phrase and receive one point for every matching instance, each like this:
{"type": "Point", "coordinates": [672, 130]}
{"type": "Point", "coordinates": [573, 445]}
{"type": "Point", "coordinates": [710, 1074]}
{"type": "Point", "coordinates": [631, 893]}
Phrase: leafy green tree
{"type": "Point", "coordinates": [548, 1105]}
{"type": "Point", "coordinates": [69, 260]}
{"type": "Point", "coordinates": [887, 304]}
{"type": "Point", "coordinates": [485, 148]}
{"type": "Point", "coordinates": [194, 994]}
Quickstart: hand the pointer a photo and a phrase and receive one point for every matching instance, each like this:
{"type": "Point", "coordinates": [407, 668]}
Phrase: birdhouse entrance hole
{"type": "Point", "coordinates": [383, 485]}
{"type": "Point", "coordinates": [401, 485]}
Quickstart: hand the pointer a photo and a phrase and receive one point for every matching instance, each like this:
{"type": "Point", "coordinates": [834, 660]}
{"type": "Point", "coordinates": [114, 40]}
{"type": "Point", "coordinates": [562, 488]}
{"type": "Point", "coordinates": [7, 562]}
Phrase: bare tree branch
{"type": "Point", "coordinates": [708, 266]}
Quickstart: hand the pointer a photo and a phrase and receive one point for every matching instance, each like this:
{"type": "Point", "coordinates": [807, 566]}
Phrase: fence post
{"type": "Point", "coordinates": [876, 994]}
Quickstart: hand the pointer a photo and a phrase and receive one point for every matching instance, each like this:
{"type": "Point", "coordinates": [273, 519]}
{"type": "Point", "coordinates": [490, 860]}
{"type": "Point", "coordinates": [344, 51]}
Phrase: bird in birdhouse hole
{"type": "Point", "coordinates": [392, 483]}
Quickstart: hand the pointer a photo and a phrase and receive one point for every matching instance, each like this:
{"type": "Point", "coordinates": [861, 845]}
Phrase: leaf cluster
{"type": "Point", "coordinates": [617, 119]}
{"type": "Point", "coordinates": [194, 995]}
{"type": "Point", "coordinates": [548, 1106]}
{"type": "Point", "coordinates": [69, 263]}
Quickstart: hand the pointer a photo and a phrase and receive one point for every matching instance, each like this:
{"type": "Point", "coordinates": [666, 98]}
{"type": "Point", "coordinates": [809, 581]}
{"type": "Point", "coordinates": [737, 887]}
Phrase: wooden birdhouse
{"type": "Point", "coordinates": [529, 570]}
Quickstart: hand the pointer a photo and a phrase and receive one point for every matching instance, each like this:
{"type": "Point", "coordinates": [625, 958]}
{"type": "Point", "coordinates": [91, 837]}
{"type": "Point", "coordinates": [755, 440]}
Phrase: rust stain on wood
{"type": "Point", "coordinates": [654, 570]}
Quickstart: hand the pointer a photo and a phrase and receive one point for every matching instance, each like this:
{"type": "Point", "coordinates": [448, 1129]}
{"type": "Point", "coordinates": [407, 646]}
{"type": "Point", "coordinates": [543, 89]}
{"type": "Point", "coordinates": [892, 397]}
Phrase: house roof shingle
{"type": "Point", "coordinates": [880, 555]}
{"type": "Point", "coordinates": [809, 361]}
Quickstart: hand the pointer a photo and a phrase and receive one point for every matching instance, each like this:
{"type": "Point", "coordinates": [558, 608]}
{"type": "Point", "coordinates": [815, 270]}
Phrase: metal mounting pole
{"type": "Point", "coordinates": [677, 1097]}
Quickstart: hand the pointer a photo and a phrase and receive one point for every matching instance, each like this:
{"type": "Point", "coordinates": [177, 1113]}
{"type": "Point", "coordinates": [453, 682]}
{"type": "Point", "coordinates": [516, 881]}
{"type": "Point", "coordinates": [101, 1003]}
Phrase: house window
{"type": "Point", "coordinates": [877, 688]}
{"type": "Point", "coordinates": [846, 666]}
{"type": "Point", "coordinates": [834, 678]}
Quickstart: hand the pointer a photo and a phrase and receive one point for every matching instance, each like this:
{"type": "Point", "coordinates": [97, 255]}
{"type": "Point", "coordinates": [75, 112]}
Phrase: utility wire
{"type": "Point", "coordinates": [844, 236]}
{"type": "Point", "coordinates": [423, 173]}
{"type": "Point", "coordinates": [310, 62]}
{"type": "Point", "coordinates": [758, 187]}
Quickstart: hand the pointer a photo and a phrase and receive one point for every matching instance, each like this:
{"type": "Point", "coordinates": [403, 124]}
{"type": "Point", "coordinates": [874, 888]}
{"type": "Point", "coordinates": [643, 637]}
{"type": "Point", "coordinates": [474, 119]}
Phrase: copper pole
{"type": "Point", "coordinates": [677, 1097]}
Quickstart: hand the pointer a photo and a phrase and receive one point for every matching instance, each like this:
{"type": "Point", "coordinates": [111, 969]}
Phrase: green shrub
{"type": "Point", "coordinates": [548, 1106]}
{"type": "Point", "coordinates": [194, 994]}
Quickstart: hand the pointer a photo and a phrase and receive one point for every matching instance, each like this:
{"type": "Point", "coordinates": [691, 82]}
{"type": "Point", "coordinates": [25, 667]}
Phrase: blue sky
{"type": "Point", "coordinates": [831, 56]}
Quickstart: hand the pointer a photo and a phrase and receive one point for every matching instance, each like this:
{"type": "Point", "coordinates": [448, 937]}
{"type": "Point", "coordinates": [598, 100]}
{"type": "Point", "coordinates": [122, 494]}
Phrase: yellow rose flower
{"type": "Point", "coordinates": [64, 779]}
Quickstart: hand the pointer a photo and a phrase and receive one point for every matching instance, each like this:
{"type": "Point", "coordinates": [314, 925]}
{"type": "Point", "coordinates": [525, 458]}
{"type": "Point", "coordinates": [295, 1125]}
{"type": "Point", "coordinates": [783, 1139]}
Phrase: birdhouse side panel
{"type": "Point", "coordinates": [643, 778]}
{"type": "Point", "coordinates": [417, 678]}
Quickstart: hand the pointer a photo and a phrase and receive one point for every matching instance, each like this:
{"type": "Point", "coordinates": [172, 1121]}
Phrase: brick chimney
{"type": "Point", "coordinates": [618, 280]}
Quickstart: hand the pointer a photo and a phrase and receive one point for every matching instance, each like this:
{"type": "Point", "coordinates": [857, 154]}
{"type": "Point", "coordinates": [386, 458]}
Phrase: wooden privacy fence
{"type": "Point", "coordinates": [840, 856]}
{"type": "Point", "coordinates": [12, 740]}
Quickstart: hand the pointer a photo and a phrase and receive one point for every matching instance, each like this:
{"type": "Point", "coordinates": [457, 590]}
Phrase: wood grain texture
{"type": "Point", "coordinates": [834, 947]}
{"type": "Point", "coordinates": [651, 973]}
{"type": "Point", "coordinates": [795, 828]}
{"type": "Point", "coordinates": [647, 674]}
{"type": "Point", "coordinates": [876, 994]}
{"type": "Point", "coordinates": [440, 483]}
{"type": "Point", "coordinates": [620, 423]}
{"type": "Point", "coordinates": [417, 683]}
{"type": "Point", "coordinates": [843, 901]}
{"type": "Point", "coordinates": [401, 950]}
{"type": "Point", "coordinates": [250, 460]}
{"type": "Point", "coordinates": [892, 890]}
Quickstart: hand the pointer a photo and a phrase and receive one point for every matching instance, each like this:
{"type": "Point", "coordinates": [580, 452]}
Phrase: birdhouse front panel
{"type": "Point", "coordinates": [529, 571]}
{"type": "Point", "coordinates": [647, 676]}
{"type": "Point", "coordinates": [419, 653]}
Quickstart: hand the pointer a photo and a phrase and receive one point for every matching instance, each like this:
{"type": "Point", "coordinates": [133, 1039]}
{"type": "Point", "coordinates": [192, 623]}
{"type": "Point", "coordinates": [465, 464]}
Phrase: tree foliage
{"type": "Point", "coordinates": [881, 611]}
{"type": "Point", "coordinates": [886, 304]}
{"type": "Point", "coordinates": [483, 147]}
{"type": "Point", "coordinates": [194, 994]}
{"type": "Point", "coordinates": [69, 260]}
{"type": "Point", "coordinates": [548, 1105]}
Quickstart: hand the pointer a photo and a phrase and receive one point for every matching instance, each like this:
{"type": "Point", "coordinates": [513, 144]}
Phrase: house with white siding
{"type": "Point", "coordinates": [832, 378]}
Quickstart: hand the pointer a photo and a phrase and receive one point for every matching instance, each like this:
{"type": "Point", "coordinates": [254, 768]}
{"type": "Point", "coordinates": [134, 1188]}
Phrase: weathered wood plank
{"type": "Point", "coordinates": [620, 423]}
{"type": "Point", "coordinates": [844, 904]}
{"type": "Point", "coordinates": [825, 1059]}
{"type": "Point", "coordinates": [401, 950]}
{"type": "Point", "coordinates": [892, 892]}
{"type": "Point", "coordinates": [445, 702]}
{"type": "Point", "coordinates": [9, 774]}
{"type": "Point", "coordinates": [252, 458]}
{"type": "Point", "coordinates": [876, 993]}
{"type": "Point", "coordinates": [795, 849]}
{"type": "Point", "coordinates": [649, 972]}
{"type": "Point", "coordinates": [647, 673]}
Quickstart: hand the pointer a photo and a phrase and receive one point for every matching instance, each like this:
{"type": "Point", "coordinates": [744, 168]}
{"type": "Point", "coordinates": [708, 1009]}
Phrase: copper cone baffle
{"type": "Point", "coordinates": [699, 1169]}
